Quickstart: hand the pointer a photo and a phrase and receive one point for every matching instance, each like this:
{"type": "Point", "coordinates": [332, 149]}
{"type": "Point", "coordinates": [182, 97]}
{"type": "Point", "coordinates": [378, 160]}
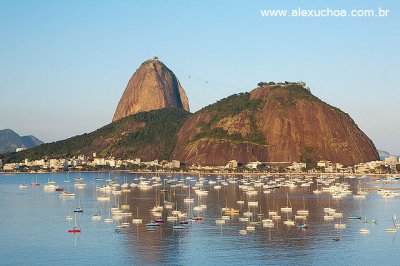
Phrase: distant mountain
{"type": "Point", "coordinates": [147, 135]}
{"type": "Point", "coordinates": [383, 154]}
{"type": "Point", "coordinates": [9, 141]}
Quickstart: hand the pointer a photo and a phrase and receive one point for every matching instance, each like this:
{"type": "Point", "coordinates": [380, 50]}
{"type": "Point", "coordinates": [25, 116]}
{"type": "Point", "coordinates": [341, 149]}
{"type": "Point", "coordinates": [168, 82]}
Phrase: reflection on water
{"type": "Point", "coordinates": [34, 220]}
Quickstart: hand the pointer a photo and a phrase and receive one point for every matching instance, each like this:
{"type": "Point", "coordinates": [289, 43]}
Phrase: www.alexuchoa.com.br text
{"type": "Point", "coordinates": [325, 12]}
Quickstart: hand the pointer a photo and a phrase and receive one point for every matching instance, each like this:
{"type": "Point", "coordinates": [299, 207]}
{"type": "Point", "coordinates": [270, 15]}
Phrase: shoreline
{"type": "Point", "coordinates": [199, 173]}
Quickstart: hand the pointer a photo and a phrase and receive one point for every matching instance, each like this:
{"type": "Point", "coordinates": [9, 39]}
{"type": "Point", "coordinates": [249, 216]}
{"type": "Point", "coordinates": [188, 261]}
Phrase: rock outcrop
{"type": "Point", "coordinates": [273, 123]}
{"type": "Point", "coordinates": [153, 86]}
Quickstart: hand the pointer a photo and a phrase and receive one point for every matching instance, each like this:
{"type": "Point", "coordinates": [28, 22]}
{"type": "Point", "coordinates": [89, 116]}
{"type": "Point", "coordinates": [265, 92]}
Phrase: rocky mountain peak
{"type": "Point", "coordinates": [153, 86]}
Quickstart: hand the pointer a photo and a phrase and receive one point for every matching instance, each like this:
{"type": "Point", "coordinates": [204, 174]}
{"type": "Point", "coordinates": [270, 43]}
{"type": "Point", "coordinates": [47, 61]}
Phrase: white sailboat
{"type": "Point", "coordinates": [365, 230]}
{"type": "Point", "coordinates": [137, 220]}
{"type": "Point", "coordinates": [304, 211]}
{"type": "Point", "coordinates": [110, 219]}
{"type": "Point", "coordinates": [97, 216]}
{"type": "Point", "coordinates": [23, 185]}
{"type": "Point", "coordinates": [394, 219]}
{"type": "Point", "coordinates": [287, 208]}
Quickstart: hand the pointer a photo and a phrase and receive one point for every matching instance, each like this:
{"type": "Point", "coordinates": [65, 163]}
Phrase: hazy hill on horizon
{"type": "Point", "coordinates": [10, 141]}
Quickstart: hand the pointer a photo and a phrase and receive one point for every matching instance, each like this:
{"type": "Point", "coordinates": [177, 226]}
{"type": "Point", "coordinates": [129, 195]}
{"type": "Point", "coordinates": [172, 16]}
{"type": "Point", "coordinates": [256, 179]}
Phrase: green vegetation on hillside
{"type": "Point", "coordinates": [309, 157]}
{"type": "Point", "coordinates": [295, 92]}
{"type": "Point", "coordinates": [160, 131]}
{"type": "Point", "coordinates": [231, 106]}
{"type": "Point", "coordinates": [144, 133]}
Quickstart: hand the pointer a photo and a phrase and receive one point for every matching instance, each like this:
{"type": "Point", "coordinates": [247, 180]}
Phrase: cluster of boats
{"type": "Point", "coordinates": [181, 200]}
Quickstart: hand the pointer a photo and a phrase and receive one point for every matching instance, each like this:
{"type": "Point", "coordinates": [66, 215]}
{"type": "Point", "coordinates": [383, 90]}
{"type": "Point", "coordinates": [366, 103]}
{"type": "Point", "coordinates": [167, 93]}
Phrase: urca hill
{"type": "Point", "coordinates": [280, 122]}
{"type": "Point", "coordinates": [273, 123]}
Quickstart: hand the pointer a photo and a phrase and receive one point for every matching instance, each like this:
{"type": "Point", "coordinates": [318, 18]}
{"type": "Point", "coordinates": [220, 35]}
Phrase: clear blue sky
{"type": "Point", "coordinates": [65, 64]}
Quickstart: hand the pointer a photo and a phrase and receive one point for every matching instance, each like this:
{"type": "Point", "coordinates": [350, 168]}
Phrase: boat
{"type": "Point", "coordinates": [302, 226]}
{"type": "Point", "coordinates": [250, 228]}
{"type": "Point", "coordinates": [340, 226]}
{"type": "Point", "coordinates": [159, 221]}
{"type": "Point", "coordinates": [35, 184]}
{"type": "Point", "coordinates": [102, 198]}
{"type": "Point", "coordinates": [188, 199]}
{"type": "Point", "coordinates": [76, 228]}
{"type": "Point", "coordinates": [125, 224]}
{"type": "Point", "coordinates": [365, 230]}
{"type": "Point", "coordinates": [79, 208]}
{"type": "Point", "coordinates": [97, 216]}
{"type": "Point", "coordinates": [137, 220]}
{"type": "Point", "coordinates": [50, 185]}
{"type": "Point", "coordinates": [354, 217]}
{"type": "Point", "coordinates": [108, 220]}
{"type": "Point", "coordinates": [394, 220]}
{"type": "Point", "coordinates": [67, 194]}
{"type": "Point", "coordinates": [304, 211]}
{"type": "Point", "coordinates": [243, 232]}
{"type": "Point", "coordinates": [268, 224]}
{"type": "Point", "coordinates": [80, 185]}
{"type": "Point", "coordinates": [289, 222]}
{"type": "Point", "coordinates": [248, 214]}
{"type": "Point", "coordinates": [23, 185]}
{"type": "Point", "coordinates": [287, 208]}
{"type": "Point", "coordinates": [220, 221]}
{"type": "Point", "coordinates": [231, 211]}
{"type": "Point", "coordinates": [152, 224]}
{"type": "Point", "coordinates": [178, 227]}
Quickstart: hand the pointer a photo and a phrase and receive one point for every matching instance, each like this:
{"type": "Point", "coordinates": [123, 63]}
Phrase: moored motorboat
{"type": "Point", "coordinates": [354, 217]}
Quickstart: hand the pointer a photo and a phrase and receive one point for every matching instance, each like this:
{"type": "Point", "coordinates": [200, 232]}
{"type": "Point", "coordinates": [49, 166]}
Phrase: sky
{"type": "Point", "coordinates": [65, 64]}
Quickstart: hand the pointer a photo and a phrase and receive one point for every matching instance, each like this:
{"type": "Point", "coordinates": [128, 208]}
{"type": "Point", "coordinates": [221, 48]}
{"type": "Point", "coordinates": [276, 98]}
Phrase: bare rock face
{"type": "Point", "coordinates": [153, 86]}
{"type": "Point", "coordinates": [273, 123]}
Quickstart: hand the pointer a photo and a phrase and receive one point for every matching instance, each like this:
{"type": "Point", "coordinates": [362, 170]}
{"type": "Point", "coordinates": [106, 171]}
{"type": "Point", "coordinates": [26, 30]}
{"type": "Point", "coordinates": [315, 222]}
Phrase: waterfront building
{"type": "Point", "coordinates": [391, 160]}
{"type": "Point", "coordinates": [99, 161]}
{"type": "Point", "coordinates": [297, 167]}
{"type": "Point", "coordinates": [232, 164]}
{"type": "Point", "coordinates": [253, 165]}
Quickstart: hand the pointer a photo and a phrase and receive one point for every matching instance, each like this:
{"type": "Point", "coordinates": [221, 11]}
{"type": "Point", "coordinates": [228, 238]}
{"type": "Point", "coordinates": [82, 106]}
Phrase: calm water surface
{"type": "Point", "coordinates": [34, 227]}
